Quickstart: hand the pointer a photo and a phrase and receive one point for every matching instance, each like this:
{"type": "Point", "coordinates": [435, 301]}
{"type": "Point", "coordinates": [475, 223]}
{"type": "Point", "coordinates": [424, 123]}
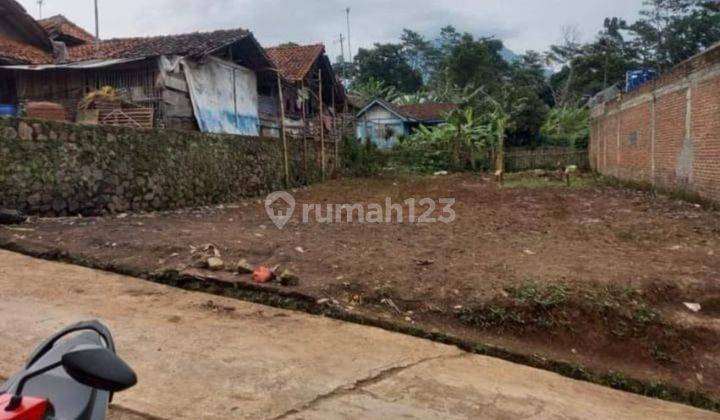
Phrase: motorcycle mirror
{"type": "Point", "coordinates": [99, 368]}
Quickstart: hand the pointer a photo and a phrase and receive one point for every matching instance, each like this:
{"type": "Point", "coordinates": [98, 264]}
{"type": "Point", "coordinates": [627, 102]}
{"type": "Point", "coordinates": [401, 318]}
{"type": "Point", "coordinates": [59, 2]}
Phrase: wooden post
{"type": "Point", "coordinates": [500, 164]}
{"type": "Point", "coordinates": [335, 128]}
{"type": "Point", "coordinates": [304, 135]}
{"type": "Point", "coordinates": [322, 123]}
{"type": "Point", "coordinates": [342, 129]}
{"type": "Point", "coordinates": [282, 131]}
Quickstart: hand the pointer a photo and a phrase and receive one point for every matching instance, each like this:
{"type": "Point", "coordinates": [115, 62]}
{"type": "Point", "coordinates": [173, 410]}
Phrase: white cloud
{"type": "Point", "coordinates": [521, 24]}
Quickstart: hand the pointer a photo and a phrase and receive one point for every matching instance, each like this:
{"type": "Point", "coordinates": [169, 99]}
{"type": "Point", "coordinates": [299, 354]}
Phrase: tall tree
{"type": "Point", "coordinates": [387, 64]}
{"type": "Point", "coordinates": [419, 52]}
{"type": "Point", "coordinates": [670, 31]}
{"type": "Point", "coordinates": [476, 62]}
{"type": "Point", "coordinates": [588, 69]}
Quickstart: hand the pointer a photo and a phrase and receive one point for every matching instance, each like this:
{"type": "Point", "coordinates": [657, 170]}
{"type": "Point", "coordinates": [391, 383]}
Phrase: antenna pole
{"type": "Point", "coordinates": [40, 5]}
{"type": "Point", "coordinates": [342, 55]}
{"type": "Point", "coordinates": [97, 26]}
{"type": "Point", "coordinates": [350, 52]}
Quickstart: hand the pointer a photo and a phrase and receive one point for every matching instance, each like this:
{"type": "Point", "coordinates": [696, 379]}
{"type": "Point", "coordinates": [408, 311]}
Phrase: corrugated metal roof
{"type": "Point", "coordinates": [91, 64]}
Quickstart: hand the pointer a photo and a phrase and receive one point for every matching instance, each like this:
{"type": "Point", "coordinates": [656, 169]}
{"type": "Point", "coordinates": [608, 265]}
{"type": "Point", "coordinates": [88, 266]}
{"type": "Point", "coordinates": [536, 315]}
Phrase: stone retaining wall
{"type": "Point", "coordinates": [59, 169]}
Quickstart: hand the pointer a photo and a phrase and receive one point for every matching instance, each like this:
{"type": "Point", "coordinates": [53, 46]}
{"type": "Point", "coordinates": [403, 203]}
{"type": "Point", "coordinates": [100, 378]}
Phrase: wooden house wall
{"type": "Point", "coordinates": [69, 86]}
{"type": "Point", "coordinates": [176, 104]}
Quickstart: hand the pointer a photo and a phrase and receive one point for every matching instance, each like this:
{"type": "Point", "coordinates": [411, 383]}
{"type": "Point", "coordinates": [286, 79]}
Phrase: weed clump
{"type": "Point", "coordinates": [535, 307]}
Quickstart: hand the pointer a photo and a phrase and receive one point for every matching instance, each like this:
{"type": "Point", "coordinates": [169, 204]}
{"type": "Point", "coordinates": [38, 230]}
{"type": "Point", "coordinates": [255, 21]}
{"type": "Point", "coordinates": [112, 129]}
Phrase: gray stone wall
{"type": "Point", "coordinates": [59, 169]}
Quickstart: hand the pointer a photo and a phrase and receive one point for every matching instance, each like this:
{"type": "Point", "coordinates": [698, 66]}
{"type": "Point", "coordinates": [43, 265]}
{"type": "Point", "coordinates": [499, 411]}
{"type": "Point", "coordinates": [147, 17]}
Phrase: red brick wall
{"type": "Point", "coordinates": [667, 132]}
{"type": "Point", "coordinates": [706, 134]}
{"type": "Point", "coordinates": [669, 136]}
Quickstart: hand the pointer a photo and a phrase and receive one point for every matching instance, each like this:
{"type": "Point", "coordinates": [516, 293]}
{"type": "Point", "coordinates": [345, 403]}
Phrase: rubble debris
{"type": "Point", "coordinates": [215, 264]}
{"type": "Point", "coordinates": [694, 307]}
{"type": "Point", "coordinates": [289, 279]}
{"type": "Point", "coordinates": [214, 307]}
{"type": "Point", "coordinates": [392, 305]}
{"type": "Point", "coordinates": [11, 217]}
{"type": "Point", "coordinates": [263, 275]}
{"type": "Point", "coordinates": [244, 267]}
{"type": "Point", "coordinates": [207, 250]}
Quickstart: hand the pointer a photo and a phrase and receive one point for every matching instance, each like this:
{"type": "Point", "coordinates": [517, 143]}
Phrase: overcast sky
{"type": "Point", "coordinates": [521, 24]}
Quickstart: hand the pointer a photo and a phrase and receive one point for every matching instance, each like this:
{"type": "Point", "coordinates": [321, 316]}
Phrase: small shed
{"type": "Point", "coordinates": [385, 123]}
{"type": "Point", "coordinates": [302, 67]}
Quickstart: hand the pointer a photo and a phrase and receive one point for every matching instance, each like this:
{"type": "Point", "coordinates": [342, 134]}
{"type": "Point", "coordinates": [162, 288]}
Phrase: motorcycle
{"type": "Point", "coordinates": [70, 376]}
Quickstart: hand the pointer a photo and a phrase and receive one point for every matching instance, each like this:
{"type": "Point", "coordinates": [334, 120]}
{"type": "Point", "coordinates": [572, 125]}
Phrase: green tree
{"type": "Point", "coordinates": [670, 31]}
{"type": "Point", "coordinates": [588, 69]}
{"type": "Point", "coordinates": [386, 63]}
{"type": "Point", "coordinates": [476, 62]}
{"type": "Point", "coordinates": [568, 126]}
{"type": "Point", "coordinates": [529, 82]}
{"type": "Point", "coordinates": [419, 53]}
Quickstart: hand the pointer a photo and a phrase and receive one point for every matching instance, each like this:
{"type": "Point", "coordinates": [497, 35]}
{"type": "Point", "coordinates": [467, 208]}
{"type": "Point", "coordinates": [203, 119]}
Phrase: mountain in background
{"type": "Point", "coordinates": [509, 55]}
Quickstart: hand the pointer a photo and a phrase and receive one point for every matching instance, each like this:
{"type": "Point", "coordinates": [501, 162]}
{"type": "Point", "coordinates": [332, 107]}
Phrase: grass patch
{"type": "Point", "coordinates": [556, 307]}
{"type": "Point", "coordinates": [675, 194]}
{"type": "Point", "coordinates": [529, 181]}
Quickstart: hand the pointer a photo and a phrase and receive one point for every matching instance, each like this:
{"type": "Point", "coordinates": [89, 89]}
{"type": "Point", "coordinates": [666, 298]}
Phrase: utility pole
{"type": "Point", "coordinates": [342, 55]}
{"type": "Point", "coordinates": [40, 5]}
{"type": "Point", "coordinates": [97, 26]}
{"type": "Point", "coordinates": [350, 52]}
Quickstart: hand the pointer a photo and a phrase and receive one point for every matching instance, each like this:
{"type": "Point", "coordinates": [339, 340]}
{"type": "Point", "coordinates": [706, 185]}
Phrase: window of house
{"type": "Point", "coordinates": [633, 138]}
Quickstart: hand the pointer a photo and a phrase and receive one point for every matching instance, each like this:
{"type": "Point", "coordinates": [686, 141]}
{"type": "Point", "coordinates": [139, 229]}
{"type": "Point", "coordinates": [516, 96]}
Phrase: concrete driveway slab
{"type": "Point", "coordinates": [200, 356]}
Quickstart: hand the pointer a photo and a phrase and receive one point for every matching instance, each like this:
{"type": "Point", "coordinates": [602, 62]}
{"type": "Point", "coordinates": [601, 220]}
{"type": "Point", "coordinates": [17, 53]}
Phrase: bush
{"type": "Point", "coordinates": [420, 156]}
{"type": "Point", "coordinates": [362, 158]}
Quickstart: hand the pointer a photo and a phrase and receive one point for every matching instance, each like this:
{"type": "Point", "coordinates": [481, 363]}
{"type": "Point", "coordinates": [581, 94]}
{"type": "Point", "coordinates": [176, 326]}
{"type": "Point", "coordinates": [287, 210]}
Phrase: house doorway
{"type": "Point", "coordinates": [8, 89]}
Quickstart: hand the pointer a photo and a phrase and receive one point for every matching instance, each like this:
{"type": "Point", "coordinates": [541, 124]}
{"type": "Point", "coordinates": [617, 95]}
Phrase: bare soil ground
{"type": "Point", "coordinates": [593, 274]}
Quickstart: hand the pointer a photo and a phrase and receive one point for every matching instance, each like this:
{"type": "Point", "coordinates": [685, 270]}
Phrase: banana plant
{"type": "Point", "coordinates": [568, 124]}
{"type": "Point", "coordinates": [374, 88]}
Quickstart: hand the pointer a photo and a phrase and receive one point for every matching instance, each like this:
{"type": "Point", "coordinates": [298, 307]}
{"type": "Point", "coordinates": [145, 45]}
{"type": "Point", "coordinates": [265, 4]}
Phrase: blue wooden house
{"type": "Point", "coordinates": [385, 123]}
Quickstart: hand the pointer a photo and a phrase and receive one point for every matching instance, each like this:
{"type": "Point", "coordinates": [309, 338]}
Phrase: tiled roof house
{"type": "Point", "coordinates": [385, 123]}
{"type": "Point", "coordinates": [55, 60]}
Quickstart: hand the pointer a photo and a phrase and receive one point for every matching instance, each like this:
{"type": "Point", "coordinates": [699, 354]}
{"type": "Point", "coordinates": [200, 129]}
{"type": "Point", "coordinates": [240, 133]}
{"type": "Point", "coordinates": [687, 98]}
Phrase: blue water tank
{"type": "Point", "coordinates": [7, 110]}
{"type": "Point", "coordinates": [637, 78]}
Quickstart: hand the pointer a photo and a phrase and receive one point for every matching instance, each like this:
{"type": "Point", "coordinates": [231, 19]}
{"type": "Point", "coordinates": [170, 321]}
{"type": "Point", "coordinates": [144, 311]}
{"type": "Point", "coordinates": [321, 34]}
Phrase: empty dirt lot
{"type": "Point", "coordinates": [595, 276]}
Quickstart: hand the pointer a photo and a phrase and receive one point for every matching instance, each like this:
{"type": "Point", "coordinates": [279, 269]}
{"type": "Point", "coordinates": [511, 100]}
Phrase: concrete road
{"type": "Point", "coordinates": [228, 359]}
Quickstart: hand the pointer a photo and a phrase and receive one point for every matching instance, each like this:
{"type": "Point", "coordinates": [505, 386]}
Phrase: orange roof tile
{"type": "Point", "coordinates": [295, 62]}
{"type": "Point", "coordinates": [427, 111]}
{"type": "Point", "coordinates": [21, 53]}
{"type": "Point", "coordinates": [186, 44]}
{"type": "Point", "coordinates": [61, 25]}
